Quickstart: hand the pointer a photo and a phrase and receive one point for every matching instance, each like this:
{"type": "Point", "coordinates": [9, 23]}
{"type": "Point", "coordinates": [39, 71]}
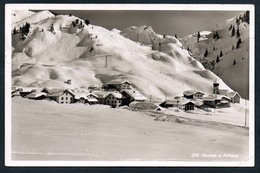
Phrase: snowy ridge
{"type": "Point", "coordinates": [236, 75]}
{"type": "Point", "coordinates": [55, 51]}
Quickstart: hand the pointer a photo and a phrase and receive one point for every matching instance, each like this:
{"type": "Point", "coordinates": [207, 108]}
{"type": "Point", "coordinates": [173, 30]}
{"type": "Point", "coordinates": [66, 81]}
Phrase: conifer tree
{"type": "Point", "coordinates": [238, 33]}
{"type": "Point", "coordinates": [198, 36]}
{"type": "Point", "coordinates": [221, 54]}
{"type": "Point", "coordinates": [206, 53]}
{"type": "Point", "coordinates": [234, 62]}
{"type": "Point", "coordinates": [239, 42]}
{"type": "Point", "coordinates": [217, 60]}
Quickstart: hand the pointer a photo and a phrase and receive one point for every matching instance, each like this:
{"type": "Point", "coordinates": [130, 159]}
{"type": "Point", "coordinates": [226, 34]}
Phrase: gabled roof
{"type": "Point", "coordinates": [232, 94]}
{"type": "Point", "coordinates": [116, 95]}
{"type": "Point", "coordinates": [178, 102]}
{"type": "Point", "coordinates": [192, 92]}
{"type": "Point", "coordinates": [36, 94]}
{"type": "Point", "coordinates": [79, 95]}
{"type": "Point", "coordinates": [215, 97]}
{"type": "Point", "coordinates": [136, 95]}
{"type": "Point", "coordinates": [31, 89]}
{"type": "Point", "coordinates": [209, 98]}
{"type": "Point", "coordinates": [100, 94]}
{"type": "Point", "coordinates": [58, 92]}
{"type": "Point", "coordinates": [118, 81]}
{"type": "Point", "coordinates": [92, 99]}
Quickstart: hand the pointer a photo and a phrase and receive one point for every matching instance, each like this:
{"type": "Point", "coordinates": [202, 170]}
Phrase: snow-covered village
{"type": "Point", "coordinates": [84, 92]}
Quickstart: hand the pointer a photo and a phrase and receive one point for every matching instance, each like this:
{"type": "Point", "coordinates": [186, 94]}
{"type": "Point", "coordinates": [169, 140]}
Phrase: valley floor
{"type": "Point", "coordinates": [44, 130]}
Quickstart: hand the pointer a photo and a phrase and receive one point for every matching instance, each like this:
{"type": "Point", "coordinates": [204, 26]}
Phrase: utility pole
{"type": "Point", "coordinates": [177, 105]}
{"type": "Point", "coordinates": [106, 62]}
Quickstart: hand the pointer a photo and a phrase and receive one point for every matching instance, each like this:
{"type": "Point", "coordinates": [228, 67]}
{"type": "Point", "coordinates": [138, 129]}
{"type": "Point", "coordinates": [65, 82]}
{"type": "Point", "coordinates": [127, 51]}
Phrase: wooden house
{"type": "Point", "coordinates": [113, 99]}
{"type": "Point", "coordinates": [101, 96]}
{"type": "Point", "coordinates": [36, 95]}
{"type": "Point", "coordinates": [193, 94]}
{"type": "Point", "coordinates": [61, 97]}
{"type": "Point", "coordinates": [28, 90]}
{"type": "Point", "coordinates": [118, 84]}
{"type": "Point", "coordinates": [216, 101]}
{"type": "Point", "coordinates": [234, 96]}
{"type": "Point", "coordinates": [183, 104]}
{"type": "Point", "coordinates": [130, 95]}
{"type": "Point", "coordinates": [91, 99]}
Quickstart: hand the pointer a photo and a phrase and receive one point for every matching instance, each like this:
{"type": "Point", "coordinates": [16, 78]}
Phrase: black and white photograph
{"type": "Point", "coordinates": [129, 85]}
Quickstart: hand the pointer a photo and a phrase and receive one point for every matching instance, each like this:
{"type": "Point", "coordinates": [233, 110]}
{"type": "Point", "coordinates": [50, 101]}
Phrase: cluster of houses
{"type": "Point", "coordinates": [220, 98]}
{"type": "Point", "coordinates": [119, 92]}
{"type": "Point", "coordinates": [115, 93]}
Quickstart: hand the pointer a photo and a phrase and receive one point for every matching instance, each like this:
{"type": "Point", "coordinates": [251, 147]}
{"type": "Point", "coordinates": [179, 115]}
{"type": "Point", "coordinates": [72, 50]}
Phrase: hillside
{"type": "Point", "coordinates": [62, 47]}
{"type": "Point", "coordinates": [235, 75]}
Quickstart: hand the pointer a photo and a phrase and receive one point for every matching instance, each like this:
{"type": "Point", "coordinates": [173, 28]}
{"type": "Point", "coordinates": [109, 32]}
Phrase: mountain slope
{"type": "Point", "coordinates": [62, 47]}
{"type": "Point", "coordinates": [236, 75]}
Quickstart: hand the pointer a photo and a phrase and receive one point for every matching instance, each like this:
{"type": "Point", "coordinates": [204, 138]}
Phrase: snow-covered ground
{"type": "Point", "coordinates": [44, 130]}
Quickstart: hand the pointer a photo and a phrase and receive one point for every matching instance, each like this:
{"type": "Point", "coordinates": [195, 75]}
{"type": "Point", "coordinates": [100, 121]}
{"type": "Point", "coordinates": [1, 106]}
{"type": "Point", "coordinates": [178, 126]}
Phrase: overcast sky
{"type": "Point", "coordinates": [163, 22]}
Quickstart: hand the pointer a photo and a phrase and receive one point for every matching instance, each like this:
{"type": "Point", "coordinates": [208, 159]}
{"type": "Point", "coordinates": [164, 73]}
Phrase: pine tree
{"type": "Point", "coordinates": [238, 33]}
{"type": "Point", "coordinates": [87, 22]}
{"type": "Point", "coordinates": [246, 17]}
{"type": "Point", "coordinates": [237, 21]}
{"type": "Point", "coordinates": [175, 36]}
{"type": "Point", "coordinates": [198, 36]}
{"type": "Point", "coordinates": [214, 48]}
{"type": "Point", "coordinates": [188, 49]}
{"type": "Point", "coordinates": [232, 47]}
{"type": "Point", "coordinates": [217, 60]}
{"type": "Point", "coordinates": [206, 53]}
{"type": "Point", "coordinates": [239, 42]}
{"type": "Point", "coordinates": [217, 36]}
{"type": "Point", "coordinates": [233, 31]}
{"type": "Point", "coordinates": [14, 31]}
{"type": "Point", "coordinates": [221, 54]}
{"type": "Point", "coordinates": [230, 27]}
{"type": "Point", "coordinates": [234, 62]}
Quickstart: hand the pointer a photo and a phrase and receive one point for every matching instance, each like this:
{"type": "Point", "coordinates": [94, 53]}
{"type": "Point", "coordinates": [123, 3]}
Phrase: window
{"type": "Point", "coordinates": [61, 102]}
{"type": "Point", "coordinates": [66, 98]}
{"type": "Point", "coordinates": [61, 98]}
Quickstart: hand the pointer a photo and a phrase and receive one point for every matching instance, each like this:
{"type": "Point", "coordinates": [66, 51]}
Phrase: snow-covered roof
{"type": "Point", "coordinates": [192, 92]}
{"type": "Point", "coordinates": [198, 103]}
{"type": "Point", "coordinates": [178, 102]}
{"type": "Point", "coordinates": [232, 94]}
{"type": "Point", "coordinates": [116, 95]}
{"type": "Point", "coordinates": [36, 94]}
{"type": "Point", "coordinates": [92, 99]}
{"type": "Point", "coordinates": [31, 89]}
{"type": "Point", "coordinates": [58, 92]}
{"type": "Point", "coordinates": [118, 81]}
{"type": "Point", "coordinates": [100, 94]}
{"type": "Point", "coordinates": [79, 95]}
{"type": "Point", "coordinates": [223, 91]}
{"type": "Point", "coordinates": [135, 94]}
{"type": "Point", "coordinates": [209, 98]}
{"type": "Point", "coordinates": [215, 97]}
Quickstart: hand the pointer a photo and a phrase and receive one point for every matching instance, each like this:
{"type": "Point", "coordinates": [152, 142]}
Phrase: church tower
{"type": "Point", "coordinates": [215, 87]}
